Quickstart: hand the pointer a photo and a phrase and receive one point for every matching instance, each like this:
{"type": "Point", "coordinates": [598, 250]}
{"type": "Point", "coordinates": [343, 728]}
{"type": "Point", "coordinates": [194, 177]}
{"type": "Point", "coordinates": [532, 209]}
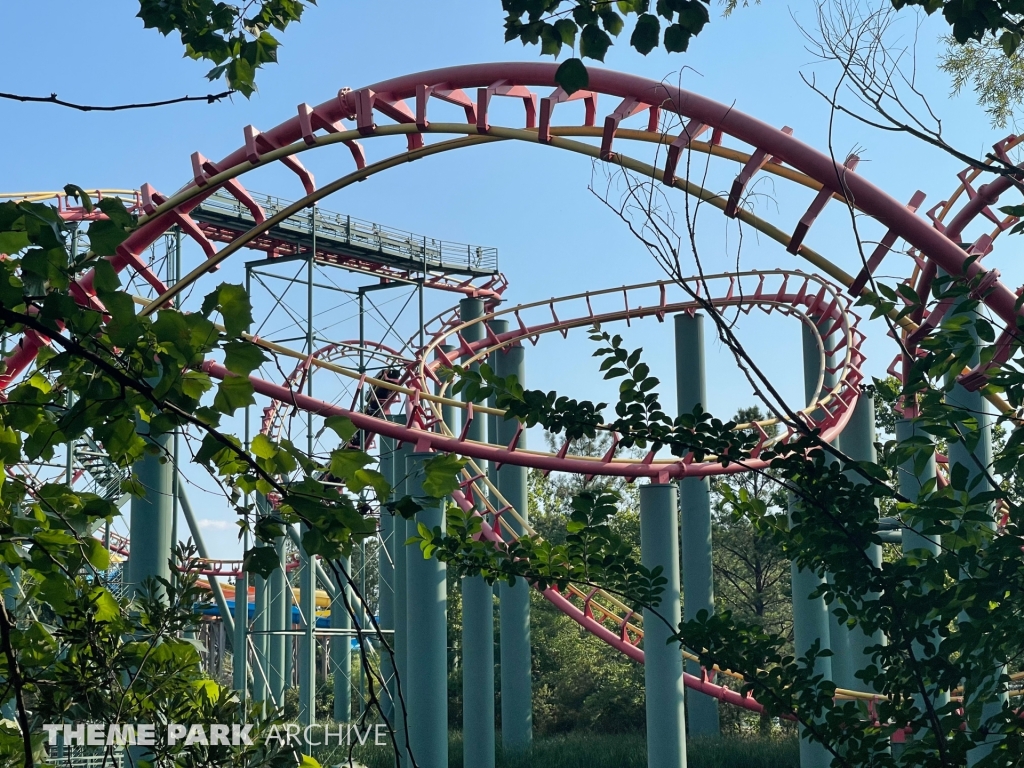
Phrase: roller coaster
{"type": "Point", "coordinates": [404, 409]}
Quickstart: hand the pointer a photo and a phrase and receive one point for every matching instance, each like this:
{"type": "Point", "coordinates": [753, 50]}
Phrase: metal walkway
{"type": "Point", "coordinates": [341, 239]}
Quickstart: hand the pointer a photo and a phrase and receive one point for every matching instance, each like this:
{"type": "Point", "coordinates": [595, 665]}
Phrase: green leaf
{"type": "Point", "coordinates": [261, 560]}
{"type": "Point", "coordinates": [75, 191]}
{"type": "Point", "coordinates": [233, 393]}
{"type": "Point", "coordinates": [105, 236]}
{"type": "Point", "coordinates": [572, 76]}
{"type": "Point", "coordinates": [233, 304]}
{"type": "Point", "coordinates": [362, 478]}
{"type": "Point", "coordinates": [106, 605]}
{"type": "Point", "coordinates": [262, 447]}
{"type": "Point", "coordinates": [243, 357]}
{"type": "Point", "coordinates": [12, 242]}
{"type": "Point", "coordinates": [116, 212]}
{"type": "Point", "coordinates": [646, 33]}
{"type": "Point", "coordinates": [346, 461]}
{"type": "Point", "coordinates": [343, 426]}
{"type": "Point", "coordinates": [566, 29]}
{"type": "Point", "coordinates": [105, 278]}
{"type": "Point", "coordinates": [550, 41]}
{"type": "Point", "coordinates": [97, 555]}
{"type": "Point", "coordinates": [594, 43]}
{"type": "Point", "coordinates": [677, 38]}
{"type": "Point", "coordinates": [611, 21]}
{"type": "Point", "coordinates": [441, 474]}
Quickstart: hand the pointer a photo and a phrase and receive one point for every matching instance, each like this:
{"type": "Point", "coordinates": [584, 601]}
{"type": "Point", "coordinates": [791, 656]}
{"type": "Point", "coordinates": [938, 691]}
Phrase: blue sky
{"type": "Point", "coordinates": [554, 236]}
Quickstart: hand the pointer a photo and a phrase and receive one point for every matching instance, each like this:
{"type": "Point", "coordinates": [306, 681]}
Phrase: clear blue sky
{"type": "Point", "coordinates": [554, 236]}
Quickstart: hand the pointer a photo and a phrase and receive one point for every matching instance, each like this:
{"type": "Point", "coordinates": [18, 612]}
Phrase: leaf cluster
{"type": "Point", "coordinates": [221, 32]}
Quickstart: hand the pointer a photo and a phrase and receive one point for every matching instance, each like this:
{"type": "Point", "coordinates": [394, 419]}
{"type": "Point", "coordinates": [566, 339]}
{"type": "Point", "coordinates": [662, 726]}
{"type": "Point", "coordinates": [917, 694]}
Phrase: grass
{"type": "Point", "coordinates": [586, 750]}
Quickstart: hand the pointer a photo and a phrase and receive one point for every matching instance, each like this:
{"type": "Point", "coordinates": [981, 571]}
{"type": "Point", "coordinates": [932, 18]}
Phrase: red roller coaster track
{"type": "Point", "coordinates": [405, 103]}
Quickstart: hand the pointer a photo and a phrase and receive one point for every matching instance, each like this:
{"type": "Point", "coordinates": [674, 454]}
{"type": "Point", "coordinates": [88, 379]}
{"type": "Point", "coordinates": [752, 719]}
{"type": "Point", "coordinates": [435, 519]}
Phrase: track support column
{"type": "Point", "coordinates": [428, 622]}
{"type": "Point", "coordinates": [663, 661]}
{"type": "Point", "coordinates": [514, 602]}
{"type": "Point", "coordinates": [477, 618]}
{"type": "Point", "coordinates": [982, 702]}
{"type": "Point", "coordinates": [911, 484]}
{"type": "Point", "coordinates": [811, 620]}
{"type": "Point", "coordinates": [695, 508]}
{"type": "Point", "coordinates": [152, 514]}
{"type": "Point", "coordinates": [859, 445]}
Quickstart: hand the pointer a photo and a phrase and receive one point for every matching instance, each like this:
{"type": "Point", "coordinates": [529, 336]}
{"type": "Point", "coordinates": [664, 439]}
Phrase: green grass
{"type": "Point", "coordinates": [584, 750]}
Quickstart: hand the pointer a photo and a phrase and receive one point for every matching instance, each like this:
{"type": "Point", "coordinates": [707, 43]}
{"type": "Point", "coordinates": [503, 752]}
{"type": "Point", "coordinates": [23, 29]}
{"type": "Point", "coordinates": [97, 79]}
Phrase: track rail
{"type": "Point", "coordinates": [765, 150]}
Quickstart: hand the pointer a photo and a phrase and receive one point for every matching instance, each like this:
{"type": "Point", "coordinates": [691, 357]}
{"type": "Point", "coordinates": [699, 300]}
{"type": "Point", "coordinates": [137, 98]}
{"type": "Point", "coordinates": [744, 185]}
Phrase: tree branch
{"type": "Point", "coordinates": [209, 98]}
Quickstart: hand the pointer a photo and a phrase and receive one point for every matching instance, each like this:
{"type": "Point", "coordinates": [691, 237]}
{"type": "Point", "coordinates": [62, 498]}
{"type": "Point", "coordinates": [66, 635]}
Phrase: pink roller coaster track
{"type": "Point", "coordinates": [406, 101]}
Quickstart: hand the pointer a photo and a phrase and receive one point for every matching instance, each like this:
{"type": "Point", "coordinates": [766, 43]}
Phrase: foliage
{"type": "Point", "coordinates": [125, 379]}
{"type": "Point", "coordinates": [222, 33]}
{"type": "Point", "coordinates": [996, 78]}
{"type": "Point", "coordinates": [979, 21]}
{"type": "Point", "coordinates": [597, 750]}
{"type": "Point", "coordinates": [949, 619]}
{"type": "Point", "coordinates": [752, 573]}
{"type": "Point", "coordinates": [554, 23]}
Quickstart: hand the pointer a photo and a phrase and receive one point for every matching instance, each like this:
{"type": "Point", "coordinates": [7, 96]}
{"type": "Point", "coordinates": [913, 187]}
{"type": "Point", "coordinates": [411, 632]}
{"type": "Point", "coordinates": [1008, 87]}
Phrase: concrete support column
{"type": "Point", "coordinates": [911, 483]}
{"type": "Point", "coordinates": [859, 445]}
{"type": "Point", "coordinates": [477, 618]}
{"type": "Point", "coordinates": [152, 514]}
{"type": "Point", "coordinates": [386, 585]}
{"type": "Point", "coordinates": [341, 649]}
{"type": "Point", "coordinates": [982, 704]}
{"type": "Point", "coordinates": [663, 661]}
{"type": "Point", "coordinates": [811, 620]}
{"type": "Point", "coordinates": [695, 508]}
{"type": "Point", "coordinates": [427, 671]}
{"type": "Point", "coordinates": [514, 602]}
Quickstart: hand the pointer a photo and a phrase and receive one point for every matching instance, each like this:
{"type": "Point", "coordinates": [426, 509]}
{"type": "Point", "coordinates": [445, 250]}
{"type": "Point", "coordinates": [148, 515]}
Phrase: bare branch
{"type": "Point", "coordinates": [209, 98]}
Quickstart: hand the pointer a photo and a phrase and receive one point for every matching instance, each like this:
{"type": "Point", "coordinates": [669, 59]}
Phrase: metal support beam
{"type": "Point", "coordinates": [477, 617]}
{"type": "Point", "coordinates": [427, 671]}
{"type": "Point", "coordinates": [695, 517]}
{"type": "Point", "coordinates": [197, 537]}
{"type": "Point", "coordinates": [307, 575]}
{"type": "Point", "coordinates": [401, 692]}
{"type": "Point", "coordinates": [240, 639]}
{"type": "Point", "coordinates": [663, 662]}
{"type": "Point", "coordinates": [514, 601]}
{"type": "Point", "coordinates": [280, 620]}
{"type": "Point", "coordinates": [341, 649]}
{"type": "Point", "coordinates": [307, 641]}
{"type": "Point", "coordinates": [260, 640]}
{"type": "Point", "coordinates": [323, 578]}
{"type": "Point", "coordinates": [386, 584]}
